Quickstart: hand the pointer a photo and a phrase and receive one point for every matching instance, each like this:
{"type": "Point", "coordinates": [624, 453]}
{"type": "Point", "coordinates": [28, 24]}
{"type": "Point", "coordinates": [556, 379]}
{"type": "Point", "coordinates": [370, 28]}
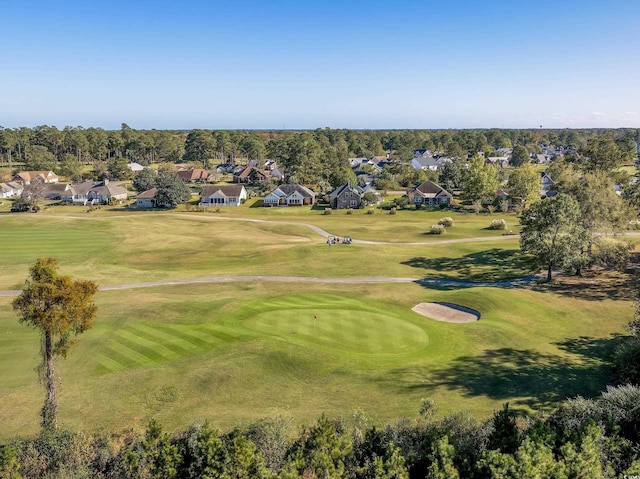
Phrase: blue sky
{"type": "Point", "coordinates": [340, 64]}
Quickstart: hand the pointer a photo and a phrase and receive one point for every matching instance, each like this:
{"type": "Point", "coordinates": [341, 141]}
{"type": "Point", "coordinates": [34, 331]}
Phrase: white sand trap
{"type": "Point", "coordinates": [450, 313]}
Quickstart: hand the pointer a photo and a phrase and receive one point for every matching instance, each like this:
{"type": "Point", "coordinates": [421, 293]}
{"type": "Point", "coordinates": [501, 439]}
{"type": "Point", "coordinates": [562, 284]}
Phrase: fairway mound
{"type": "Point", "coordinates": [447, 312]}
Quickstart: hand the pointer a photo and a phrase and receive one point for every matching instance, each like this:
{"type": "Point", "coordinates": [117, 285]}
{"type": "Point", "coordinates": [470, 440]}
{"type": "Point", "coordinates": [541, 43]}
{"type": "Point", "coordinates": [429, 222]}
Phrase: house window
{"type": "Point", "coordinates": [353, 203]}
{"type": "Point", "coordinates": [417, 199]}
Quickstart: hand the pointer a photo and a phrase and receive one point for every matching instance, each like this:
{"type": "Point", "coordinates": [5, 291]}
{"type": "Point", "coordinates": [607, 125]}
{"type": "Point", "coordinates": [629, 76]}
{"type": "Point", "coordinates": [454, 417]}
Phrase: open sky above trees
{"type": "Point", "coordinates": [300, 65]}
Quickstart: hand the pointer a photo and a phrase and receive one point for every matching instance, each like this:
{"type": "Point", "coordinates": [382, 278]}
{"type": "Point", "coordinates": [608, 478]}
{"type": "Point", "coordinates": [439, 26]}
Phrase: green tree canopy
{"type": "Point", "coordinates": [525, 183]}
{"type": "Point", "coordinates": [171, 189]}
{"type": "Point", "coordinates": [519, 156]}
{"type": "Point", "coordinates": [479, 181]}
{"type": "Point", "coordinates": [552, 235]}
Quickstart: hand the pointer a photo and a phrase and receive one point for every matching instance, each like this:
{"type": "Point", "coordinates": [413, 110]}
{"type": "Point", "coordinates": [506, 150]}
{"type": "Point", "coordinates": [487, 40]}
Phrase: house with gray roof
{"type": "Point", "coordinates": [429, 193]}
{"type": "Point", "coordinates": [346, 196]}
{"type": "Point", "coordinates": [432, 163]}
{"type": "Point", "coordinates": [10, 189]}
{"type": "Point", "coordinates": [290, 195]}
{"type": "Point", "coordinates": [223, 195]}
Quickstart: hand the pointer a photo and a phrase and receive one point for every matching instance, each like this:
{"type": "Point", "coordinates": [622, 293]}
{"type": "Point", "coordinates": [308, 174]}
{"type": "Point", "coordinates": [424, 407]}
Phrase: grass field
{"type": "Point", "coordinates": [133, 248]}
{"type": "Point", "coordinates": [234, 352]}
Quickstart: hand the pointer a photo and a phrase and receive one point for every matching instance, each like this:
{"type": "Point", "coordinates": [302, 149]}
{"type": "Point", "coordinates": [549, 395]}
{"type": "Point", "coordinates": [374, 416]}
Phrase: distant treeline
{"type": "Point", "coordinates": [49, 146]}
{"type": "Point", "coordinates": [318, 157]}
{"type": "Point", "coordinates": [583, 438]}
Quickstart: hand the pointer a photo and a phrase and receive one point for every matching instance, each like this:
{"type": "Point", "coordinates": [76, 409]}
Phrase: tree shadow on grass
{"type": "Point", "coordinates": [596, 285]}
{"type": "Point", "coordinates": [491, 265]}
{"type": "Point", "coordinates": [525, 378]}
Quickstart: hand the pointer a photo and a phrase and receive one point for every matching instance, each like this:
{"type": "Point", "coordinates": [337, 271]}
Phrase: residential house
{"type": "Point", "coordinates": [10, 189]}
{"type": "Point", "coordinates": [26, 177]}
{"type": "Point", "coordinates": [346, 196]}
{"type": "Point", "coordinates": [148, 199]}
{"type": "Point", "coordinates": [432, 163]}
{"type": "Point", "coordinates": [135, 167]}
{"type": "Point", "coordinates": [356, 163]}
{"type": "Point", "coordinates": [505, 152]}
{"type": "Point", "coordinates": [548, 188]}
{"type": "Point", "coordinates": [250, 174]}
{"type": "Point", "coordinates": [290, 195]}
{"type": "Point", "coordinates": [429, 193]}
{"type": "Point", "coordinates": [105, 192]}
{"type": "Point", "coordinates": [78, 194]}
{"type": "Point", "coordinates": [225, 195]}
{"type": "Point", "coordinates": [270, 165]}
{"type": "Point", "coordinates": [197, 175]}
{"type": "Point", "coordinates": [56, 191]}
{"type": "Point", "coordinates": [501, 161]}
{"type": "Point", "coordinates": [277, 174]}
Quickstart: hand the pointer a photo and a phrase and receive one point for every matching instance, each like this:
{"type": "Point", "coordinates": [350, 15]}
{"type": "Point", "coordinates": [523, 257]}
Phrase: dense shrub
{"type": "Point", "coordinates": [392, 211]}
{"type": "Point", "coordinates": [401, 202]}
{"type": "Point", "coordinates": [327, 211]}
{"type": "Point", "coordinates": [498, 224]}
{"type": "Point", "coordinates": [349, 211]}
{"type": "Point", "coordinates": [370, 211]}
{"type": "Point", "coordinates": [438, 229]}
{"type": "Point", "coordinates": [446, 221]}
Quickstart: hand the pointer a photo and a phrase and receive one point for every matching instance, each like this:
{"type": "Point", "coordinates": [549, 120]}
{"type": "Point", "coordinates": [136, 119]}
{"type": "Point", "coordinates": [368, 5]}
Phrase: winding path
{"type": "Point", "coordinates": [303, 279]}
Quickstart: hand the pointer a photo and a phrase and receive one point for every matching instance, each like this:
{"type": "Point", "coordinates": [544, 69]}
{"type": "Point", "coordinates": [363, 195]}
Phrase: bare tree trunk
{"type": "Point", "coordinates": [50, 408]}
{"type": "Point", "coordinates": [549, 274]}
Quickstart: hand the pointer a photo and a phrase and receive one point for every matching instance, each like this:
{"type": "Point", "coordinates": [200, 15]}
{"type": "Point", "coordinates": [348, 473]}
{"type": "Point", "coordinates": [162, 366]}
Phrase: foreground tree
{"type": "Point", "coordinates": [551, 234]}
{"type": "Point", "coordinates": [60, 308]}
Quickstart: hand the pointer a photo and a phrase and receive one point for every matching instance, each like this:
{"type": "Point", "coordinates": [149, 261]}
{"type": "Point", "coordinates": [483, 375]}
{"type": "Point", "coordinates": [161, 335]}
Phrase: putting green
{"type": "Point", "coordinates": [334, 323]}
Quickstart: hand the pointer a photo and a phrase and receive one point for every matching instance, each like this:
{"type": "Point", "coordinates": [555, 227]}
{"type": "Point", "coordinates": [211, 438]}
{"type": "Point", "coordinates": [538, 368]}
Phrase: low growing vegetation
{"type": "Point", "coordinates": [438, 229]}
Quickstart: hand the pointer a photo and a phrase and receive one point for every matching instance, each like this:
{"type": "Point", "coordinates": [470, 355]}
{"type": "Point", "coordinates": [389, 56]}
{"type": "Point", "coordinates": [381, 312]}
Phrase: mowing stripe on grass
{"type": "Point", "coordinates": [158, 349]}
{"type": "Point", "coordinates": [176, 344]}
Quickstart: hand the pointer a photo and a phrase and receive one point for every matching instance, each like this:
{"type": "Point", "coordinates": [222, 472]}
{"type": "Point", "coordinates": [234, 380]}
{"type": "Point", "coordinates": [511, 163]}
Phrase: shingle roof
{"type": "Point", "coordinates": [148, 195]}
{"type": "Point", "coordinates": [226, 190]}
{"type": "Point", "coordinates": [290, 188]}
{"type": "Point", "coordinates": [194, 175]}
{"type": "Point", "coordinates": [431, 189]}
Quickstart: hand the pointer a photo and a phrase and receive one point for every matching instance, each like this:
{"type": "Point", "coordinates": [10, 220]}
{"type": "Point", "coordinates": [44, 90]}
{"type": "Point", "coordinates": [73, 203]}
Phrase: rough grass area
{"type": "Point", "coordinates": [236, 352]}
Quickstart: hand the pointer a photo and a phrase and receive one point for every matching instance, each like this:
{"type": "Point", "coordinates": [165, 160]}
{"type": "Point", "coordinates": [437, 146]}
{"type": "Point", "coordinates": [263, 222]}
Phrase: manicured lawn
{"type": "Point", "coordinates": [235, 352]}
{"type": "Point", "coordinates": [131, 248]}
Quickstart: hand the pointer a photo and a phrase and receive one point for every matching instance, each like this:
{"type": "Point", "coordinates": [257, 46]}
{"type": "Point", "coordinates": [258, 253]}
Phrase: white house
{"type": "Point", "coordinates": [226, 195]}
{"type": "Point", "coordinates": [290, 195]}
{"type": "Point", "coordinates": [13, 188]}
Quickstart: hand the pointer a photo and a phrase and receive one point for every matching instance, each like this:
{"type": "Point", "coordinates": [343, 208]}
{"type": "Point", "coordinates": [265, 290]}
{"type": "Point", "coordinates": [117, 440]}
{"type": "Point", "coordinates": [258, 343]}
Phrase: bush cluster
{"type": "Point", "coordinates": [327, 211]}
{"type": "Point", "coordinates": [582, 438]}
{"type": "Point", "coordinates": [392, 211]}
{"type": "Point", "coordinates": [498, 224]}
{"type": "Point", "coordinates": [438, 229]}
{"type": "Point", "coordinates": [446, 221]}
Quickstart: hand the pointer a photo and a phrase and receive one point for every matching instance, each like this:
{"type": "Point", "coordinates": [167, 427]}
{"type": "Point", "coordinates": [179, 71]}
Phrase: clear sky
{"type": "Point", "coordinates": [341, 64]}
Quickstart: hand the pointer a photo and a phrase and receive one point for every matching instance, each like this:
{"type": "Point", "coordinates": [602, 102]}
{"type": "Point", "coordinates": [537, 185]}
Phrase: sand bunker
{"type": "Point", "coordinates": [450, 313]}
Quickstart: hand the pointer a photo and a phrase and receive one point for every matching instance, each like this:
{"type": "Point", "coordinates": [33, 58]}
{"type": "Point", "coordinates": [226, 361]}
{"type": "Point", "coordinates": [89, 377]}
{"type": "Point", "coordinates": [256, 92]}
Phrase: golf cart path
{"type": "Point", "coordinates": [305, 279]}
{"type": "Point", "coordinates": [320, 231]}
